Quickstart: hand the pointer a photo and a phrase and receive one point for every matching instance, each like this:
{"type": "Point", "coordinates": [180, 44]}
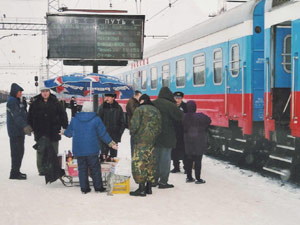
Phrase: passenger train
{"type": "Point", "coordinates": [243, 70]}
{"type": "Point", "coordinates": [3, 96]}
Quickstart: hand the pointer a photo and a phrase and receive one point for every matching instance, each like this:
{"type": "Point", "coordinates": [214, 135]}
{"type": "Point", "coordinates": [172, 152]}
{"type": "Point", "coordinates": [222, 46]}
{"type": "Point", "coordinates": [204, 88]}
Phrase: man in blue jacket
{"type": "Point", "coordinates": [17, 127]}
{"type": "Point", "coordinates": [85, 128]}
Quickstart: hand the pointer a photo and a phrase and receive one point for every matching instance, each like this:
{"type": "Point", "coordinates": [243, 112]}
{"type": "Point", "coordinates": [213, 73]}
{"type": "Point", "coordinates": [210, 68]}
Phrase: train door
{"type": "Point", "coordinates": [281, 75]}
{"type": "Point", "coordinates": [136, 80]}
{"type": "Point", "coordinates": [295, 81]}
{"type": "Point", "coordinates": [233, 81]}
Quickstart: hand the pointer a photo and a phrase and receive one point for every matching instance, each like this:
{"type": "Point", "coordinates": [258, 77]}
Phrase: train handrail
{"type": "Point", "coordinates": [293, 86]}
{"type": "Point", "coordinates": [226, 102]}
{"type": "Point", "coordinates": [243, 89]}
{"type": "Point", "coordinates": [267, 87]}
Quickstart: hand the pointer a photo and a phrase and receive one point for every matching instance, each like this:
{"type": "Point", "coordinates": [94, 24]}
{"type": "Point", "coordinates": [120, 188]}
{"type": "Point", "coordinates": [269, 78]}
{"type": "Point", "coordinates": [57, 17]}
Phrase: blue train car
{"type": "Point", "coordinates": [282, 108]}
{"type": "Point", "coordinates": [241, 68]}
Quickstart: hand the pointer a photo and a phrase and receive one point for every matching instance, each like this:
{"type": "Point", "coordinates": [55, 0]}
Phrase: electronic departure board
{"type": "Point", "coordinates": [95, 37]}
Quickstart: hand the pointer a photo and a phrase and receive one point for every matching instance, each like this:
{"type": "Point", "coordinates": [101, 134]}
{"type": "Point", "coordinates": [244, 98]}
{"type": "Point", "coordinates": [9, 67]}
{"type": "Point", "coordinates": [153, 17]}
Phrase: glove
{"type": "Point", "coordinates": [28, 130]}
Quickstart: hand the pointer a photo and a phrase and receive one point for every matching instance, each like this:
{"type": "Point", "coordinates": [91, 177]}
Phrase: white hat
{"type": "Point", "coordinates": [87, 107]}
{"type": "Point", "coordinates": [43, 88]}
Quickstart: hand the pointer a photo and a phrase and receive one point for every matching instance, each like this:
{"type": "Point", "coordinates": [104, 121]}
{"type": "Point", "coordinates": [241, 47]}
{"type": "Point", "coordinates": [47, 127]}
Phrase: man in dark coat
{"type": "Point", "coordinates": [47, 117]}
{"type": "Point", "coordinates": [17, 127]}
{"type": "Point", "coordinates": [112, 116]}
{"type": "Point", "coordinates": [195, 140]}
{"type": "Point", "coordinates": [73, 106]}
{"type": "Point", "coordinates": [24, 102]}
{"type": "Point", "coordinates": [171, 115]}
{"type": "Point", "coordinates": [132, 104]}
{"type": "Point", "coordinates": [178, 151]}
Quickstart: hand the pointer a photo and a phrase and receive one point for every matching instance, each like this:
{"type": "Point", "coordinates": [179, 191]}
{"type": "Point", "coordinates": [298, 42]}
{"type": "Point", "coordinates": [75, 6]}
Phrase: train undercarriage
{"type": "Point", "coordinates": [279, 156]}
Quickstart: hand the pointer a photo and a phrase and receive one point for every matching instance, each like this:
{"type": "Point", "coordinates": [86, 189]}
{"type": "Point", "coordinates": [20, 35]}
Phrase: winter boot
{"type": "Point", "coordinates": [200, 181]}
{"type": "Point", "coordinates": [175, 170]}
{"type": "Point", "coordinates": [149, 188]}
{"type": "Point", "coordinates": [189, 180]}
{"type": "Point", "coordinates": [141, 191]}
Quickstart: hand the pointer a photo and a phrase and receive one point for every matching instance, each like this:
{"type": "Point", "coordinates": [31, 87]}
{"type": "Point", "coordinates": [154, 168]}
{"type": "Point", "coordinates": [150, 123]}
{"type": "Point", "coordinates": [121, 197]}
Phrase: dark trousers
{"type": "Point", "coordinates": [89, 162]}
{"type": "Point", "coordinates": [43, 143]}
{"type": "Point", "coordinates": [16, 153]}
{"type": "Point", "coordinates": [176, 163]}
{"type": "Point", "coordinates": [131, 146]}
{"type": "Point", "coordinates": [162, 164]}
{"type": "Point", "coordinates": [189, 165]}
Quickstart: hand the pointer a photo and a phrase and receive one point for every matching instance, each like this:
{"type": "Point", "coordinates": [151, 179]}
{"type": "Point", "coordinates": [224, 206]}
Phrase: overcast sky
{"type": "Point", "coordinates": [21, 56]}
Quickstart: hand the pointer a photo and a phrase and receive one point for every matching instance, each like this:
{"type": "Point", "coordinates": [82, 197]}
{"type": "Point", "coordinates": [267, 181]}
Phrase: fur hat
{"type": "Point", "coordinates": [43, 88]}
{"type": "Point", "coordinates": [87, 107]}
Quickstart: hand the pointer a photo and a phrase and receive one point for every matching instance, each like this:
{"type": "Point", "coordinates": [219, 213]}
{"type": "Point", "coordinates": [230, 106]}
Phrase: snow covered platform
{"type": "Point", "coordinates": [231, 196]}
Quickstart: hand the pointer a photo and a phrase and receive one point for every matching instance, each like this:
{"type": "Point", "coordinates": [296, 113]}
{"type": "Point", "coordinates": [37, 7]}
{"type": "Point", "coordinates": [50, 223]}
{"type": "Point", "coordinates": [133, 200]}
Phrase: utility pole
{"type": "Point", "coordinates": [54, 67]}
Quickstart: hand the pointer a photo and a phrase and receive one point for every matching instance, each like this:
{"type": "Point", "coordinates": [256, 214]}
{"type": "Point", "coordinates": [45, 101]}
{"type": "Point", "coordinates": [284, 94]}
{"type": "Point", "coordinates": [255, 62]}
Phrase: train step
{"type": "Point", "coordinates": [286, 147]}
{"type": "Point", "coordinates": [281, 158]}
{"type": "Point", "coordinates": [284, 173]}
{"type": "Point", "coordinates": [236, 150]}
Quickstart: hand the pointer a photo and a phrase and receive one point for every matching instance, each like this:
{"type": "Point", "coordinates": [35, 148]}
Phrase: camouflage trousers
{"type": "Point", "coordinates": [143, 163]}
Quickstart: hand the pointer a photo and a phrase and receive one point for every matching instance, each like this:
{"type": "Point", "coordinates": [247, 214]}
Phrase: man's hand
{"type": "Point", "coordinates": [115, 147]}
{"type": "Point", "coordinates": [27, 130]}
{"type": "Point", "coordinates": [62, 131]}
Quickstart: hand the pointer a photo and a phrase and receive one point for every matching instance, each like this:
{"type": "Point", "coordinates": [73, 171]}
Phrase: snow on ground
{"type": "Point", "coordinates": [230, 196]}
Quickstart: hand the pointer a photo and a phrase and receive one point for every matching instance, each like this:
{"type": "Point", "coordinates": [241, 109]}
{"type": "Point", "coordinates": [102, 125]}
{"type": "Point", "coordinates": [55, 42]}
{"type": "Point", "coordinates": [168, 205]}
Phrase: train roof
{"type": "Point", "coordinates": [270, 7]}
{"type": "Point", "coordinates": [225, 20]}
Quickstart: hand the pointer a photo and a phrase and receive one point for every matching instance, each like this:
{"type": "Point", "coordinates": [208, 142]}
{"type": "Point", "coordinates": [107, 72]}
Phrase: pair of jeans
{"type": "Point", "coordinates": [162, 164]}
{"type": "Point", "coordinates": [43, 143]}
{"type": "Point", "coordinates": [16, 153]}
{"type": "Point", "coordinates": [84, 164]}
{"type": "Point", "coordinates": [189, 165]}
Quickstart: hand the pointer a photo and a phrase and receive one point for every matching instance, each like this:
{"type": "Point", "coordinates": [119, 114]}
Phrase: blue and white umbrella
{"type": "Point", "coordinates": [89, 84]}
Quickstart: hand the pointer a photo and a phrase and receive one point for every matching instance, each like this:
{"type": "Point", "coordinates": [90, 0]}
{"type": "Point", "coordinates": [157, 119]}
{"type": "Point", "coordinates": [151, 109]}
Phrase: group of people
{"type": "Point", "coordinates": [45, 118]}
{"type": "Point", "coordinates": [159, 129]}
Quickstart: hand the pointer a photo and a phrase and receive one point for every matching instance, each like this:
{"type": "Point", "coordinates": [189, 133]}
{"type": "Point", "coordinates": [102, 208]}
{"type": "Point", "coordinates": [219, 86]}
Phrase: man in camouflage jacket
{"type": "Point", "coordinates": [145, 127]}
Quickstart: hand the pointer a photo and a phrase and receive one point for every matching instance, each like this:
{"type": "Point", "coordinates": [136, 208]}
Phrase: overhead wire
{"type": "Point", "coordinates": [162, 10]}
{"type": "Point", "coordinates": [77, 3]}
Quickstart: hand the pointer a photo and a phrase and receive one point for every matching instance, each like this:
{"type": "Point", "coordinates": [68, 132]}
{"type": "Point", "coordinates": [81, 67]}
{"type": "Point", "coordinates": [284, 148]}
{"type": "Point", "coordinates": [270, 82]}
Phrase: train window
{"type": "Point", "coordinates": [235, 60]}
{"type": "Point", "coordinates": [286, 55]}
{"type": "Point", "coordinates": [136, 80]}
{"type": "Point", "coordinates": [128, 81]}
{"type": "Point", "coordinates": [218, 65]}
{"type": "Point", "coordinates": [166, 75]}
{"type": "Point", "coordinates": [199, 70]}
{"type": "Point", "coordinates": [144, 80]}
{"type": "Point", "coordinates": [180, 73]}
{"type": "Point", "coordinates": [153, 74]}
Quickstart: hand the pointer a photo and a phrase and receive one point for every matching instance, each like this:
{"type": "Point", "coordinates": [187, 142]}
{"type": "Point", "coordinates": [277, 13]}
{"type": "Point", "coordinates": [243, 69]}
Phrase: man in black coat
{"type": "Point", "coordinates": [132, 104]}
{"type": "Point", "coordinates": [178, 151]}
{"type": "Point", "coordinates": [73, 106]}
{"type": "Point", "coordinates": [112, 116]}
{"type": "Point", "coordinates": [17, 127]}
{"type": "Point", "coordinates": [166, 140]}
{"type": "Point", "coordinates": [47, 117]}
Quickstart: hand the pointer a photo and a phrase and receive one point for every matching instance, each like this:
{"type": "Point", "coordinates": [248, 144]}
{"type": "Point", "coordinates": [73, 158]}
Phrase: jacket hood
{"type": "Point", "coordinates": [14, 89]}
{"type": "Point", "coordinates": [147, 100]}
{"type": "Point", "coordinates": [166, 93]}
{"type": "Point", "coordinates": [85, 116]}
{"type": "Point", "coordinates": [191, 107]}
